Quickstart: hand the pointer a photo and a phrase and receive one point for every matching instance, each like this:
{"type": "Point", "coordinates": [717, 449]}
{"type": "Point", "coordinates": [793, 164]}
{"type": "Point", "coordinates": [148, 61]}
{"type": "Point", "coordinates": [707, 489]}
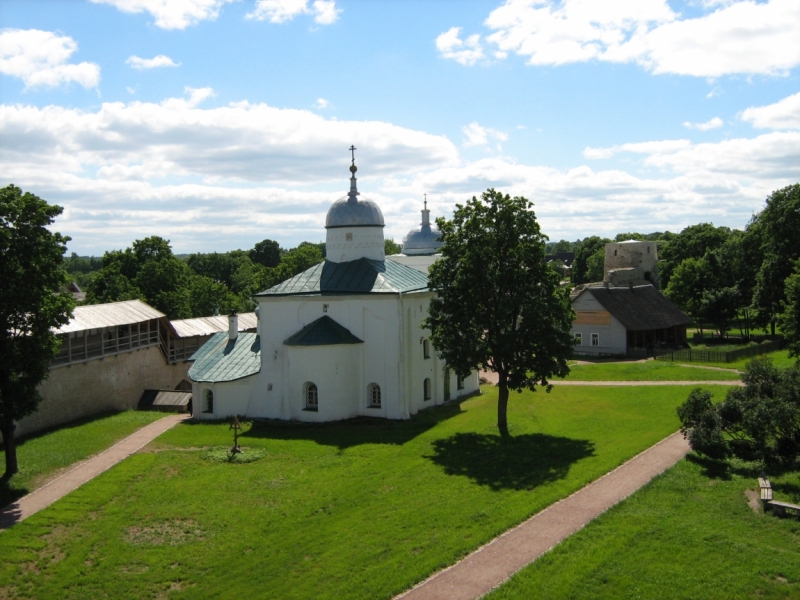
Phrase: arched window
{"type": "Point", "coordinates": [209, 402]}
{"type": "Point", "coordinates": [459, 383]}
{"type": "Point", "coordinates": [427, 388]}
{"type": "Point", "coordinates": [311, 396]}
{"type": "Point", "coordinates": [373, 395]}
{"type": "Point", "coordinates": [426, 349]}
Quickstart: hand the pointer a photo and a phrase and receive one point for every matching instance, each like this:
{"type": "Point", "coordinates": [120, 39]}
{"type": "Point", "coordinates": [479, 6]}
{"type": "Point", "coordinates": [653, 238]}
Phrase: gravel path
{"type": "Point", "coordinates": [84, 471]}
{"type": "Point", "coordinates": [494, 563]}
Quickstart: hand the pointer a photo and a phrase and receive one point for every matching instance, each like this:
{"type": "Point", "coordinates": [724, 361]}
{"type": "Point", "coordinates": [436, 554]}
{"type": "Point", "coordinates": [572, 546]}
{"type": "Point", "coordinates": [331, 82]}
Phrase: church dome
{"type": "Point", "coordinates": [350, 211]}
{"type": "Point", "coordinates": [423, 239]}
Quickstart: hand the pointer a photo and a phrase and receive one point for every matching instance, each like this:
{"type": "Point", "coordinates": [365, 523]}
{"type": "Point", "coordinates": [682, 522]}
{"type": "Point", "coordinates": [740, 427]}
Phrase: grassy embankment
{"type": "Point", "coordinates": [42, 456]}
{"type": "Point", "coordinates": [345, 510]}
{"type": "Point", "coordinates": [652, 370]}
{"type": "Point", "coordinates": [688, 534]}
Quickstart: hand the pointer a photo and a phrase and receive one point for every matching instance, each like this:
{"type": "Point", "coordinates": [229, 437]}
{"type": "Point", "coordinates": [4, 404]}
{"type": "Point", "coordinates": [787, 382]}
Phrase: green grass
{"type": "Point", "coordinates": [358, 509]}
{"type": "Point", "coordinates": [652, 370]}
{"type": "Point", "coordinates": [41, 456]}
{"type": "Point", "coordinates": [780, 359]}
{"type": "Point", "coordinates": [688, 534]}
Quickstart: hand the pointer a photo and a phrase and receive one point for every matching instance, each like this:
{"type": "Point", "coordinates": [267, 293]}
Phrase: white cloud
{"type": "Point", "coordinates": [321, 103]}
{"type": "Point", "coordinates": [784, 114]}
{"type": "Point", "coordinates": [714, 123]}
{"type": "Point", "coordinates": [171, 14]}
{"type": "Point", "coordinates": [40, 58]}
{"type": "Point", "coordinates": [732, 37]}
{"type": "Point", "coordinates": [477, 135]}
{"type": "Point", "coordinates": [466, 52]}
{"type": "Point", "coordinates": [151, 63]}
{"type": "Point", "coordinates": [281, 11]}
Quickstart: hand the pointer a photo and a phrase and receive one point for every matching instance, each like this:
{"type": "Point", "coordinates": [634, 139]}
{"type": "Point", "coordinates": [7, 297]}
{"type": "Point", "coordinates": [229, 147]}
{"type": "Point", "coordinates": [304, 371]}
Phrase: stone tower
{"type": "Point", "coordinates": [631, 263]}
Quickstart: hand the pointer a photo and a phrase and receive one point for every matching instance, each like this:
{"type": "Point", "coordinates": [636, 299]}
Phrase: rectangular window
{"type": "Point", "coordinates": [595, 339]}
{"type": "Point", "coordinates": [578, 339]}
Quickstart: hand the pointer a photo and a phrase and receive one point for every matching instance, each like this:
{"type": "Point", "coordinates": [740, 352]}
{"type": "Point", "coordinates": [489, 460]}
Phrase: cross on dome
{"type": "Point", "coordinates": [353, 168]}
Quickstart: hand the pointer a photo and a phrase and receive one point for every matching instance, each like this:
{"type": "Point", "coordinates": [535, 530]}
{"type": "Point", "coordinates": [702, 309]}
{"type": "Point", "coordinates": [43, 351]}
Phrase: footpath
{"type": "Point", "coordinates": [84, 471]}
{"type": "Point", "coordinates": [494, 563]}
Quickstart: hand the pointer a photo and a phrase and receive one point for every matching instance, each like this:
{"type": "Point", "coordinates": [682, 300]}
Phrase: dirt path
{"type": "Point", "coordinates": [491, 565]}
{"type": "Point", "coordinates": [84, 471]}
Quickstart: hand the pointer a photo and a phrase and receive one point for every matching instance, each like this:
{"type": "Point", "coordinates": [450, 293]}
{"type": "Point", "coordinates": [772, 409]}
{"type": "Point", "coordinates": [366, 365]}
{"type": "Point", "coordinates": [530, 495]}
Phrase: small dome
{"type": "Point", "coordinates": [351, 211]}
{"type": "Point", "coordinates": [423, 239]}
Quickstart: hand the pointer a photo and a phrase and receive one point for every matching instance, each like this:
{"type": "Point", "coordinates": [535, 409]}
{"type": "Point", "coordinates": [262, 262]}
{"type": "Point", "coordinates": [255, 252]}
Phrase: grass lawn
{"type": "Point", "coordinates": [688, 534]}
{"type": "Point", "coordinates": [780, 359]}
{"type": "Point", "coordinates": [358, 509]}
{"type": "Point", "coordinates": [41, 456]}
{"type": "Point", "coordinates": [652, 370]}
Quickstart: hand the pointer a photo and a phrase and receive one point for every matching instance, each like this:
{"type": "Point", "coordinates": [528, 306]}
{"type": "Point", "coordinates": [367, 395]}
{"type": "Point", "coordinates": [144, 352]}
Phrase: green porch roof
{"type": "Point", "coordinates": [322, 332]}
{"type": "Point", "coordinates": [220, 359]}
{"type": "Point", "coordinates": [362, 276]}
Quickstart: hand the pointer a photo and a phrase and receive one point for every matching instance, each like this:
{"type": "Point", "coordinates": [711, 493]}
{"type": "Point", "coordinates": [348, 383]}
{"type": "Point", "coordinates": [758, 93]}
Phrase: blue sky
{"type": "Point", "coordinates": [216, 123]}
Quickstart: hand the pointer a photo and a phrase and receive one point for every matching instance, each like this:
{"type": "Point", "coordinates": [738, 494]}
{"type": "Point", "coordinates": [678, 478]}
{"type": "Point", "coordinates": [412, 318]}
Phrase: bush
{"type": "Point", "coordinates": [758, 421]}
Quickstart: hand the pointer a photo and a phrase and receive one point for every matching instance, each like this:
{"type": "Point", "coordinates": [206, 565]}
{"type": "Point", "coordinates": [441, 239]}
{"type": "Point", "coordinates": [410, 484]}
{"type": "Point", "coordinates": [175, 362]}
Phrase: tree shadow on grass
{"type": "Point", "coordinates": [350, 432]}
{"type": "Point", "coordinates": [521, 462]}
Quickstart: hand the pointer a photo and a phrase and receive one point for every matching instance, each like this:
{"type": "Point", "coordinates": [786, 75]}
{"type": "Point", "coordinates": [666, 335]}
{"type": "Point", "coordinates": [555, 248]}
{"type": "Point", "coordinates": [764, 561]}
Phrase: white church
{"type": "Point", "coordinates": [342, 339]}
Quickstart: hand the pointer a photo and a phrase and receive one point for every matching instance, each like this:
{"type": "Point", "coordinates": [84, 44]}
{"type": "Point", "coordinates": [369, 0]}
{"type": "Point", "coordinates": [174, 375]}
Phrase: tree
{"type": "Point", "coordinates": [758, 421]}
{"type": "Point", "coordinates": [266, 253]}
{"type": "Point", "coordinates": [391, 247]}
{"type": "Point", "coordinates": [790, 318]}
{"type": "Point", "coordinates": [499, 306]}
{"type": "Point", "coordinates": [31, 271]}
{"type": "Point", "coordinates": [587, 248]}
{"type": "Point", "coordinates": [686, 287]}
{"type": "Point", "coordinates": [692, 242]}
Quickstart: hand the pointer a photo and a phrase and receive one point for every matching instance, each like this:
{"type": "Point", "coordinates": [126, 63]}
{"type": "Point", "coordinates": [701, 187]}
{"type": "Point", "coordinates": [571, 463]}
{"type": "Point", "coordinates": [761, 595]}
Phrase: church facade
{"type": "Point", "coordinates": [342, 339]}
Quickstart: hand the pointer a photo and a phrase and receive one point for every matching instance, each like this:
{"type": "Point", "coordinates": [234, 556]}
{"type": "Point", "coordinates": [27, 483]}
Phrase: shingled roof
{"type": "Point", "coordinates": [362, 276]}
{"type": "Point", "coordinates": [221, 359]}
{"type": "Point", "coordinates": [639, 308]}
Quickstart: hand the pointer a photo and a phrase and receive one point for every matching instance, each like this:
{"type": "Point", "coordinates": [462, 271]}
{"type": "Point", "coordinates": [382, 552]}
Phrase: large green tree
{"type": "Point", "coordinates": [499, 306]}
{"type": "Point", "coordinates": [31, 272]}
{"type": "Point", "coordinates": [584, 268]}
{"type": "Point", "coordinates": [790, 318]}
{"type": "Point", "coordinates": [692, 242]}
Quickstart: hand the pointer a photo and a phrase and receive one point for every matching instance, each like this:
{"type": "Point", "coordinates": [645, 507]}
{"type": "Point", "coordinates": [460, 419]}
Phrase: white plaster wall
{"type": "Point", "coordinates": [420, 262]}
{"type": "Point", "coordinates": [336, 370]}
{"type": "Point", "coordinates": [230, 398]}
{"type": "Point", "coordinates": [111, 383]}
{"type": "Point", "coordinates": [366, 242]}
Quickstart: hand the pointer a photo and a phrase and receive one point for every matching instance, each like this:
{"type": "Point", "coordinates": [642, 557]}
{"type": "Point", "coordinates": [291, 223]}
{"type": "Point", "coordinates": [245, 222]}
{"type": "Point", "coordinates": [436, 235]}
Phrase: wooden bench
{"type": "Point", "coordinates": [781, 509]}
{"type": "Point", "coordinates": [766, 490]}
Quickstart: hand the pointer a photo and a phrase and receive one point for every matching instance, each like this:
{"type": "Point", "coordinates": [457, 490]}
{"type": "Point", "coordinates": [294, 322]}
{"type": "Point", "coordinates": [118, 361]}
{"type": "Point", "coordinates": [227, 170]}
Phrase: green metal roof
{"type": "Point", "coordinates": [220, 359]}
{"type": "Point", "coordinates": [323, 332]}
{"type": "Point", "coordinates": [362, 276]}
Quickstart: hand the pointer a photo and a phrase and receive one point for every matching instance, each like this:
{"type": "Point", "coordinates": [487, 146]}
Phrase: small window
{"type": "Point", "coordinates": [209, 402]}
{"type": "Point", "coordinates": [578, 339]}
{"type": "Point", "coordinates": [348, 237]}
{"type": "Point", "coordinates": [459, 382]}
{"type": "Point", "coordinates": [311, 396]}
{"type": "Point", "coordinates": [615, 252]}
{"type": "Point", "coordinates": [648, 249]}
{"type": "Point", "coordinates": [595, 339]}
{"type": "Point", "coordinates": [373, 395]}
{"type": "Point", "coordinates": [426, 349]}
{"type": "Point", "coordinates": [427, 388]}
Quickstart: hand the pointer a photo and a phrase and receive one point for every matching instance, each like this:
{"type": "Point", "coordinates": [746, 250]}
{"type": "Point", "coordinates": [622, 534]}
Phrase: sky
{"type": "Point", "coordinates": [219, 123]}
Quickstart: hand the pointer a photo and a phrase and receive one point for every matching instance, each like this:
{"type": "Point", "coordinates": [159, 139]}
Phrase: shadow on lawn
{"type": "Point", "coordinates": [351, 432]}
{"type": "Point", "coordinates": [521, 462]}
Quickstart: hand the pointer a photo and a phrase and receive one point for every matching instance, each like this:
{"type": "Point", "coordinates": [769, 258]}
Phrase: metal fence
{"type": "Point", "coordinates": [690, 355]}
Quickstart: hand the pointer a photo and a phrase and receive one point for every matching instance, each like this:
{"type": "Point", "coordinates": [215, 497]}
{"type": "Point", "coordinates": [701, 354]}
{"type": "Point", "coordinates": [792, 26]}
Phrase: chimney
{"type": "Point", "coordinates": [233, 326]}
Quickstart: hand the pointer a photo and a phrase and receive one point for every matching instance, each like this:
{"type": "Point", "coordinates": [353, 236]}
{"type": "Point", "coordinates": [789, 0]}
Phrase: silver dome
{"type": "Point", "coordinates": [350, 211]}
{"type": "Point", "coordinates": [423, 239]}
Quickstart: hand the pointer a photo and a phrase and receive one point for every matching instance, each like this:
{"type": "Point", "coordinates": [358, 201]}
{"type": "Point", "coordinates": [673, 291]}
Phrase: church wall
{"type": "Point", "coordinates": [343, 244]}
{"type": "Point", "coordinates": [115, 382]}
{"type": "Point", "coordinates": [335, 370]}
{"type": "Point", "coordinates": [230, 398]}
